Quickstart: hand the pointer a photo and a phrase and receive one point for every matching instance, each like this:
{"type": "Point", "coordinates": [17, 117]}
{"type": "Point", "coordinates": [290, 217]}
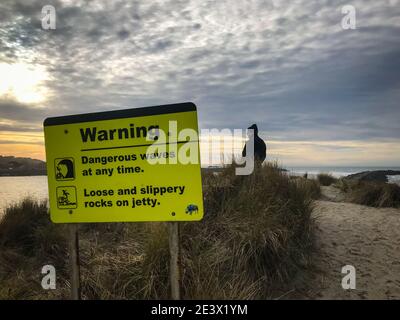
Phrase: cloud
{"type": "Point", "coordinates": [13, 110]}
{"type": "Point", "coordinates": [19, 142]}
{"type": "Point", "coordinates": [288, 66]}
{"type": "Point", "coordinates": [18, 128]}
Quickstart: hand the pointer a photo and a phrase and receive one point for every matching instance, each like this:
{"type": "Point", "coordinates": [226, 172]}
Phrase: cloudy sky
{"type": "Point", "coordinates": [320, 94]}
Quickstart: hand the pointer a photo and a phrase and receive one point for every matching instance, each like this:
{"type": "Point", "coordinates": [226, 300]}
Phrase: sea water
{"type": "Point", "coordinates": [14, 189]}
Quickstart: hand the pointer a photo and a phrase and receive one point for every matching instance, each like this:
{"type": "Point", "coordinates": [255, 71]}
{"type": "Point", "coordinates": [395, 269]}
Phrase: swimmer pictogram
{"type": "Point", "coordinates": [66, 197]}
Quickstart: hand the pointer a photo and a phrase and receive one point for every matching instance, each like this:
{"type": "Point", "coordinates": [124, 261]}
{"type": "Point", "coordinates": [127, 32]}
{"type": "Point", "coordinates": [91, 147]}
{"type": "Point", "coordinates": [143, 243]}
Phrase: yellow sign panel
{"type": "Point", "coordinates": [127, 165]}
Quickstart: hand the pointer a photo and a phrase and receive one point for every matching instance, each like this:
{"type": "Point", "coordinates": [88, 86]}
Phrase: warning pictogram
{"type": "Point", "coordinates": [64, 169]}
{"type": "Point", "coordinates": [66, 197]}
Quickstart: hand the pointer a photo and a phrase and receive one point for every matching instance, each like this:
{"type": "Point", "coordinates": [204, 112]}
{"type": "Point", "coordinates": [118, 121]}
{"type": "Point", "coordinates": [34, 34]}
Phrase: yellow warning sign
{"type": "Point", "coordinates": [138, 164]}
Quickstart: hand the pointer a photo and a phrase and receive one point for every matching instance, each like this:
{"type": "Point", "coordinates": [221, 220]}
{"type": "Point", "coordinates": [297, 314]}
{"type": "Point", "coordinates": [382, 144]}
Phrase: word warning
{"type": "Point", "coordinates": [128, 165]}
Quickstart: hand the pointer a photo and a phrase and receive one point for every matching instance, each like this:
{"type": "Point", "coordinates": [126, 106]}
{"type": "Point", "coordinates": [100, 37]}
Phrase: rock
{"type": "Point", "coordinates": [377, 175]}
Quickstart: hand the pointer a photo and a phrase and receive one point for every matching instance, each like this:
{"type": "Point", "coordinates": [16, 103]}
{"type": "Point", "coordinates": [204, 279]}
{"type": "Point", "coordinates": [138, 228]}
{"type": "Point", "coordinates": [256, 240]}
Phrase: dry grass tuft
{"type": "Point", "coordinates": [369, 193]}
{"type": "Point", "coordinates": [326, 179]}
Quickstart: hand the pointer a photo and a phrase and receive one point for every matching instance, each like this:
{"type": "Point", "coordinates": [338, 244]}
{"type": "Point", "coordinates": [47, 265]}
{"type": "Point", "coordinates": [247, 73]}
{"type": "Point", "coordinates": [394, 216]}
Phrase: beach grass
{"type": "Point", "coordinates": [326, 179]}
{"type": "Point", "coordinates": [256, 237]}
{"type": "Point", "coordinates": [370, 193]}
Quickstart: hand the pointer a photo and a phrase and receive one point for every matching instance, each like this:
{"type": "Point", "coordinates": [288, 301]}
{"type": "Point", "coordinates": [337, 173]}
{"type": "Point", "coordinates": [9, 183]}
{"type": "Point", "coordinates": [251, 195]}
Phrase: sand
{"type": "Point", "coordinates": [367, 238]}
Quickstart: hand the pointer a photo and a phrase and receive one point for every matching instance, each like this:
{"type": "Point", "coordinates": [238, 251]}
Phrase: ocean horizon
{"type": "Point", "coordinates": [336, 171]}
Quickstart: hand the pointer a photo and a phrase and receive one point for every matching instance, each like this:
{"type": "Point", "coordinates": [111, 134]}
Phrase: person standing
{"type": "Point", "coordinates": [260, 148]}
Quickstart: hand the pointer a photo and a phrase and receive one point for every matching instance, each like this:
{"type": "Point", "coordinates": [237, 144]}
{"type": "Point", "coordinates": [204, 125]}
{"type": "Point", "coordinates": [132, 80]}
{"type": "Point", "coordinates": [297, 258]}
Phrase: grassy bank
{"type": "Point", "coordinates": [373, 194]}
{"type": "Point", "coordinates": [256, 235]}
{"type": "Point", "coordinates": [326, 179]}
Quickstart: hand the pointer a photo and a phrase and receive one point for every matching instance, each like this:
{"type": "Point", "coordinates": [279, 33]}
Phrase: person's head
{"type": "Point", "coordinates": [253, 130]}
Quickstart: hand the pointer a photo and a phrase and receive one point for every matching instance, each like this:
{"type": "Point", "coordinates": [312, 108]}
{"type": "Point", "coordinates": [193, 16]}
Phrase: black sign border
{"type": "Point", "coordinates": [120, 114]}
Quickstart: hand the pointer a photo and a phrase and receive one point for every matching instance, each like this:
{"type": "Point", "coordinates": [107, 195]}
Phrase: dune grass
{"type": "Point", "coordinates": [370, 193]}
{"type": "Point", "coordinates": [326, 179]}
{"type": "Point", "coordinates": [28, 241]}
{"type": "Point", "coordinates": [311, 187]}
{"type": "Point", "coordinates": [256, 237]}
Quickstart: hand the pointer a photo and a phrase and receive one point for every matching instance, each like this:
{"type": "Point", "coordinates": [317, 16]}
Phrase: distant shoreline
{"type": "Point", "coordinates": [11, 166]}
{"type": "Point", "coordinates": [390, 174]}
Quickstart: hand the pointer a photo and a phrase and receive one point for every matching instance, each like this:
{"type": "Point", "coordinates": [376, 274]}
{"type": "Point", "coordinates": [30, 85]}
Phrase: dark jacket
{"type": "Point", "coordinates": [260, 148]}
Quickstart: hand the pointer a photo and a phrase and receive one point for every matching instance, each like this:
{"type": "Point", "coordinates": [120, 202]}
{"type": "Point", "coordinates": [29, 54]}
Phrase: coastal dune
{"type": "Point", "coordinates": [364, 237]}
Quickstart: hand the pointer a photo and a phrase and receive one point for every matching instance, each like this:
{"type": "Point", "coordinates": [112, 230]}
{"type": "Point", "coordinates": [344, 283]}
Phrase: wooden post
{"type": "Point", "coordinates": [74, 262]}
{"type": "Point", "coordinates": [174, 262]}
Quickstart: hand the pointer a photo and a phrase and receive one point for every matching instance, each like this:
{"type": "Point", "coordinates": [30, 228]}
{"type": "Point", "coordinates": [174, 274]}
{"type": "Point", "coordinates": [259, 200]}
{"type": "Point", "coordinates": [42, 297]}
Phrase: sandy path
{"type": "Point", "coordinates": [367, 238]}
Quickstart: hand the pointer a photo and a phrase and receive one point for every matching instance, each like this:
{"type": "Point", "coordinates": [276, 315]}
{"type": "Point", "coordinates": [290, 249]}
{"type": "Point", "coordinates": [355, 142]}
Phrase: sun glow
{"type": "Point", "coordinates": [23, 82]}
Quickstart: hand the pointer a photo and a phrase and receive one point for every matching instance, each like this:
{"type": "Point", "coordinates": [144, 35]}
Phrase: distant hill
{"type": "Point", "coordinates": [13, 166]}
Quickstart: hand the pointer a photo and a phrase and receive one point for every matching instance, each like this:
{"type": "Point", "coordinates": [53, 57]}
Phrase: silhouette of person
{"type": "Point", "coordinates": [260, 148]}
